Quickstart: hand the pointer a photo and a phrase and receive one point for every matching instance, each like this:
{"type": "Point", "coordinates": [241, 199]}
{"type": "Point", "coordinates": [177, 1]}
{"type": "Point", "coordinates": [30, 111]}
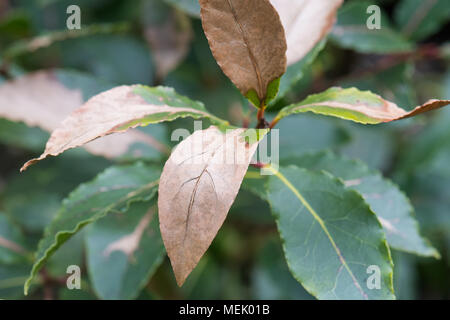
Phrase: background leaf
{"type": "Point", "coordinates": [118, 110]}
{"type": "Point", "coordinates": [352, 32]}
{"type": "Point", "coordinates": [123, 251]}
{"type": "Point", "coordinates": [305, 23]}
{"type": "Point", "coordinates": [419, 19]}
{"type": "Point", "coordinates": [112, 191]}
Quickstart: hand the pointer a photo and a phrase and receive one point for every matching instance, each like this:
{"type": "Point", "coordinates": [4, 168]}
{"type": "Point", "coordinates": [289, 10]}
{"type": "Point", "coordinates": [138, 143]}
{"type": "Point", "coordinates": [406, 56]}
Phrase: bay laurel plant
{"type": "Point", "coordinates": [337, 218]}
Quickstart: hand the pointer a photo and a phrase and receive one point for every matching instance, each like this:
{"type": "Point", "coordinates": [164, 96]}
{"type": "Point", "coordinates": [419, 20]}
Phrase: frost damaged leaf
{"type": "Point", "coordinates": [197, 188]}
{"type": "Point", "coordinates": [41, 99]}
{"type": "Point", "coordinates": [305, 22]}
{"type": "Point", "coordinates": [358, 106]}
{"type": "Point", "coordinates": [247, 40]}
{"type": "Point", "coordinates": [118, 110]}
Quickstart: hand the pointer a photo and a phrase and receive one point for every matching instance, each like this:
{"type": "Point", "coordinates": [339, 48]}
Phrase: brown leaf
{"type": "Point", "coordinates": [40, 100]}
{"type": "Point", "coordinates": [197, 188]}
{"type": "Point", "coordinates": [305, 22]}
{"type": "Point", "coordinates": [116, 111]}
{"type": "Point", "coordinates": [247, 39]}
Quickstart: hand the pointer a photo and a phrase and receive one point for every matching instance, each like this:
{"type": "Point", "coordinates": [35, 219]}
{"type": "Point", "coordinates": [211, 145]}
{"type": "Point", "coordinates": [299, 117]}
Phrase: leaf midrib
{"type": "Point", "coordinates": [250, 52]}
{"type": "Point", "coordinates": [319, 220]}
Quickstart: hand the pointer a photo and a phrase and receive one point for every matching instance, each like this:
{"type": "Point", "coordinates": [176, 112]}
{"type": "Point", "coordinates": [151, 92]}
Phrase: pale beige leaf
{"type": "Point", "coordinates": [40, 100]}
{"type": "Point", "coordinates": [116, 111]}
{"type": "Point", "coordinates": [247, 39]}
{"type": "Point", "coordinates": [197, 188]}
{"type": "Point", "coordinates": [305, 22]}
{"type": "Point", "coordinates": [130, 243]}
{"type": "Point", "coordinates": [169, 40]}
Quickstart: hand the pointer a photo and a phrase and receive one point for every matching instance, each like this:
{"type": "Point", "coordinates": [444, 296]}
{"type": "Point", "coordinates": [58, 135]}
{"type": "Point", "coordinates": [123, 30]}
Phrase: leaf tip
{"type": "Point", "coordinates": [28, 164]}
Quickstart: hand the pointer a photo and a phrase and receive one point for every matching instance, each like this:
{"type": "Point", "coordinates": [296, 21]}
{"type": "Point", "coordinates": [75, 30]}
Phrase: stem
{"type": "Point", "coordinates": [259, 165]}
{"type": "Point", "coordinates": [274, 122]}
{"type": "Point", "coordinates": [262, 123]}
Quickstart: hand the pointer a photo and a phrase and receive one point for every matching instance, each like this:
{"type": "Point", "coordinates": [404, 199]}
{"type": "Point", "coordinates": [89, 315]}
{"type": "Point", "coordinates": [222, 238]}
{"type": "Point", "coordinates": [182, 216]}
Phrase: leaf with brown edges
{"type": "Point", "coordinates": [41, 99]}
{"type": "Point", "coordinates": [118, 110]}
{"type": "Point", "coordinates": [356, 105]}
{"type": "Point", "coordinates": [197, 188]}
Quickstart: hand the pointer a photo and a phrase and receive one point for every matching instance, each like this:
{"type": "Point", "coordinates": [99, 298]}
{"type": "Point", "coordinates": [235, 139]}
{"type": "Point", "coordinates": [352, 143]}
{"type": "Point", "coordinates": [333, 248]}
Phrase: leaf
{"type": "Point", "coordinates": [248, 42]}
{"type": "Point", "coordinates": [45, 40]}
{"type": "Point", "coordinates": [387, 201]}
{"type": "Point", "coordinates": [33, 198]}
{"type": "Point", "coordinates": [305, 22]}
{"type": "Point", "coordinates": [394, 84]}
{"type": "Point", "coordinates": [198, 186]}
{"type": "Point", "coordinates": [119, 110]}
{"type": "Point", "coordinates": [330, 235]}
{"type": "Point", "coordinates": [123, 251]}
{"type": "Point", "coordinates": [12, 278]}
{"type": "Point", "coordinates": [44, 98]}
{"type": "Point", "coordinates": [12, 242]}
{"type": "Point", "coordinates": [359, 106]}
{"type": "Point", "coordinates": [168, 33]}
{"type": "Point", "coordinates": [352, 32]}
{"type": "Point", "coordinates": [189, 6]}
{"type": "Point", "coordinates": [419, 19]}
{"type": "Point", "coordinates": [112, 191]}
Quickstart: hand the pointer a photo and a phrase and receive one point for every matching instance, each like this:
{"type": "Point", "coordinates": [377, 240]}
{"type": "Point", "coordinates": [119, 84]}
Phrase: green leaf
{"type": "Point", "coordinates": [330, 235]}
{"type": "Point", "coordinates": [112, 191]}
{"type": "Point", "coordinates": [45, 40]}
{"type": "Point", "coordinates": [359, 106]}
{"type": "Point", "coordinates": [387, 201]}
{"type": "Point", "coordinates": [189, 6]}
{"type": "Point", "coordinates": [160, 96]}
{"type": "Point", "coordinates": [352, 32]}
{"type": "Point", "coordinates": [12, 278]}
{"type": "Point", "coordinates": [419, 19]}
{"type": "Point", "coordinates": [123, 251]}
{"type": "Point", "coordinates": [12, 242]}
{"type": "Point", "coordinates": [33, 198]}
{"type": "Point", "coordinates": [19, 135]}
